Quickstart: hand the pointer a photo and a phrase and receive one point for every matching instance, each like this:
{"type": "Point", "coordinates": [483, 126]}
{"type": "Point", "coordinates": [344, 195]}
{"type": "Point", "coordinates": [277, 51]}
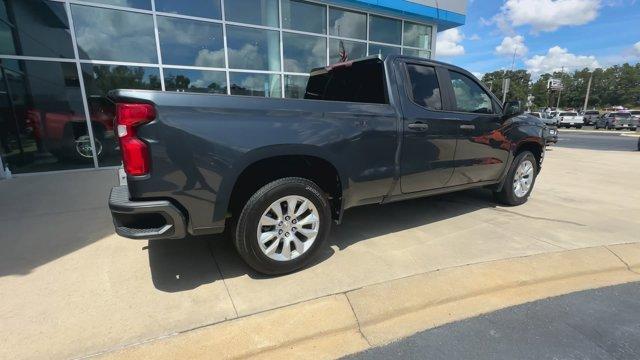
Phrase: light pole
{"type": "Point", "coordinates": [586, 98]}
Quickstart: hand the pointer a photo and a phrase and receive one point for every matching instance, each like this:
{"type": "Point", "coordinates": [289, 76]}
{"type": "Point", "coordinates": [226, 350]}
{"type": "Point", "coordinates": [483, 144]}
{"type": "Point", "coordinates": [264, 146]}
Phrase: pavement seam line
{"type": "Point", "coordinates": [415, 308]}
{"type": "Point", "coordinates": [538, 217]}
{"type": "Point", "coordinates": [357, 320]}
{"type": "Point", "coordinates": [235, 311]}
{"type": "Point", "coordinates": [619, 258]}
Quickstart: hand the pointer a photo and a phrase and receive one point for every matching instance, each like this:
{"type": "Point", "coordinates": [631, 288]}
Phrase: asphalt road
{"type": "Point", "coordinates": [605, 140]}
{"type": "Point", "coordinates": [594, 324]}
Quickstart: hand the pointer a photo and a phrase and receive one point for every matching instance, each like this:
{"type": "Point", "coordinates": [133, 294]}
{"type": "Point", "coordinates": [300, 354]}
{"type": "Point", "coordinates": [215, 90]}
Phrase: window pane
{"type": "Point", "coordinates": [189, 42]}
{"type": "Point", "coordinates": [98, 81]}
{"type": "Point", "coordinates": [417, 35]}
{"type": "Point", "coordinates": [469, 95]}
{"type": "Point", "coordinates": [347, 24]}
{"type": "Point", "coordinates": [386, 30]}
{"type": "Point", "coordinates": [361, 82]}
{"type": "Point", "coordinates": [201, 8]}
{"type": "Point", "coordinates": [383, 50]}
{"type": "Point", "coordinates": [138, 4]}
{"type": "Point", "coordinates": [42, 122]}
{"type": "Point", "coordinates": [34, 28]}
{"type": "Point", "coordinates": [104, 34]}
{"type": "Point", "coordinates": [295, 86]}
{"type": "Point", "coordinates": [424, 86]}
{"type": "Point", "coordinates": [202, 81]}
{"type": "Point", "coordinates": [254, 49]}
{"type": "Point", "coordinates": [265, 85]}
{"type": "Point", "coordinates": [343, 50]}
{"type": "Point", "coordinates": [303, 52]}
{"type": "Point", "coordinates": [258, 12]}
{"type": "Point", "coordinates": [304, 16]}
{"type": "Point", "coordinates": [417, 53]}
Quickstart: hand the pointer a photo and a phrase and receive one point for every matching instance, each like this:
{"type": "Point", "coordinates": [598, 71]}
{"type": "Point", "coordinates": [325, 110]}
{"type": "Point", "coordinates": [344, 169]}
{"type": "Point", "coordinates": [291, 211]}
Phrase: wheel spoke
{"type": "Point", "coordinates": [286, 249]}
{"type": "Point", "coordinates": [266, 236]}
{"type": "Point", "coordinates": [308, 232]}
{"type": "Point", "coordinates": [272, 248]}
{"type": "Point", "coordinates": [303, 207]}
{"type": "Point", "coordinates": [268, 221]}
{"type": "Point", "coordinates": [310, 219]}
{"type": "Point", "coordinates": [299, 245]}
{"type": "Point", "coordinates": [291, 206]}
{"type": "Point", "coordinates": [277, 208]}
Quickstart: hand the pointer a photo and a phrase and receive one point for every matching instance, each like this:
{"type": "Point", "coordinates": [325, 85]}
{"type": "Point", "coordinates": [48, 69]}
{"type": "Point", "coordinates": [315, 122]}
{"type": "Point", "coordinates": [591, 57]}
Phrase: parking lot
{"type": "Point", "coordinates": [73, 288]}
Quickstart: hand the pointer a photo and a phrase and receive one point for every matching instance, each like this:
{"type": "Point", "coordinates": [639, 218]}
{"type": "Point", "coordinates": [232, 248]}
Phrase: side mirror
{"type": "Point", "coordinates": [512, 108]}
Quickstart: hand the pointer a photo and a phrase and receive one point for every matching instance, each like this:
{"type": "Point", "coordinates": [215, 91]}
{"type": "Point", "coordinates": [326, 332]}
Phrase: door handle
{"type": "Point", "coordinates": [419, 126]}
{"type": "Point", "coordinates": [467, 127]}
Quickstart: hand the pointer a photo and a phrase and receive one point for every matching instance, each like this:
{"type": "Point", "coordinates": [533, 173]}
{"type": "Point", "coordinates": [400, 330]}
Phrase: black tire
{"type": "Point", "coordinates": [245, 235]}
{"type": "Point", "coordinates": [507, 195]}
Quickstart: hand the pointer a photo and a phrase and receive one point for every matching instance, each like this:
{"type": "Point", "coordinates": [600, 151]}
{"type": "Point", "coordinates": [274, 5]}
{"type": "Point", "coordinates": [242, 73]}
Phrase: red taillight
{"type": "Point", "coordinates": [135, 154]}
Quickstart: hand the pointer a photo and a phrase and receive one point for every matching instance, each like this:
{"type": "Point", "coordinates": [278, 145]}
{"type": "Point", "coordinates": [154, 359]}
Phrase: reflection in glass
{"type": "Point", "coordinates": [265, 85]}
{"type": "Point", "coordinates": [304, 16]}
{"type": "Point", "coordinates": [190, 42]}
{"type": "Point", "coordinates": [417, 35]}
{"type": "Point", "coordinates": [344, 50]}
{"type": "Point", "coordinates": [349, 24]}
{"type": "Point", "coordinates": [201, 8]}
{"type": "Point", "coordinates": [201, 81]}
{"type": "Point", "coordinates": [295, 86]}
{"type": "Point", "coordinates": [98, 81]}
{"type": "Point", "coordinates": [137, 4]}
{"type": "Point", "coordinates": [257, 12]}
{"type": "Point", "coordinates": [254, 49]}
{"type": "Point", "coordinates": [303, 52]}
{"type": "Point", "coordinates": [383, 50]}
{"type": "Point", "coordinates": [42, 122]}
{"type": "Point", "coordinates": [417, 53]}
{"type": "Point", "coordinates": [34, 28]}
{"type": "Point", "coordinates": [105, 34]}
{"type": "Point", "coordinates": [385, 30]}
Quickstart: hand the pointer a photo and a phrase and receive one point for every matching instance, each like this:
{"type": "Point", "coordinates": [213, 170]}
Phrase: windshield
{"type": "Point", "coordinates": [624, 115]}
{"type": "Point", "coordinates": [568, 114]}
{"type": "Point", "coordinates": [635, 112]}
{"type": "Point", "coordinates": [591, 113]}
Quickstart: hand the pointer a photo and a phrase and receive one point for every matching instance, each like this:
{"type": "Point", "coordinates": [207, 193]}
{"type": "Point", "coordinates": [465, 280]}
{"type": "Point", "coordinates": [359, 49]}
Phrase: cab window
{"type": "Point", "coordinates": [469, 96]}
{"type": "Point", "coordinates": [425, 90]}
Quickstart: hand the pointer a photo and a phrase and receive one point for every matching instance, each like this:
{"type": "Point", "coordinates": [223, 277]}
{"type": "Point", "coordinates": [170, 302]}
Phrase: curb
{"type": "Point", "coordinates": [340, 324]}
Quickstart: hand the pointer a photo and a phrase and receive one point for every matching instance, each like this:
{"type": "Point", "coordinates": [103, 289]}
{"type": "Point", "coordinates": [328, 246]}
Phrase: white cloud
{"type": "Point", "coordinates": [474, 37]}
{"type": "Point", "coordinates": [546, 15]}
{"type": "Point", "coordinates": [479, 75]}
{"type": "Point", "coordinates": [448, 43]}
{"type": "Point", "coordinates": [556, 58]}
{"type": "Point", "coordinates": [636, 48]}
{"type": "Point", "coordinates": [511, 45]}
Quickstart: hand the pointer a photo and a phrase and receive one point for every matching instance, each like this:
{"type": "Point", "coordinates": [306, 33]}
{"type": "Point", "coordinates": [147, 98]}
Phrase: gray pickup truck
{"type": "Point", "coordinates": [276, 173]}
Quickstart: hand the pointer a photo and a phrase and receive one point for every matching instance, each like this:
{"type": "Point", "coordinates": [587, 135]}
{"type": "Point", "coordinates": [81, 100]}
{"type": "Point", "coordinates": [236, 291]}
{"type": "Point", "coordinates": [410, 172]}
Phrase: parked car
{"type": "Point", "coordinates": [569, 119]}
{"type": "Point", "coordinates": [617, 120]}
{"type": "Point", "coordinates": [590, 117]}
{"type": "Point", "coordinates": [635, 115]}
{"type": "Point", "coordinates": [277, 172]}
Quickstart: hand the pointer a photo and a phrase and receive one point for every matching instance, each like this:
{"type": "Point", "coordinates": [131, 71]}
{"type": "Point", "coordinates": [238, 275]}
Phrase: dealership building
{"type": "Point", "coordinates": [59, 58]}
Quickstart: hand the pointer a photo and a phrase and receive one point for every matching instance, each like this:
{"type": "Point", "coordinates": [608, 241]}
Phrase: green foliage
{"type": "Point", "coordinates": [616, 85]}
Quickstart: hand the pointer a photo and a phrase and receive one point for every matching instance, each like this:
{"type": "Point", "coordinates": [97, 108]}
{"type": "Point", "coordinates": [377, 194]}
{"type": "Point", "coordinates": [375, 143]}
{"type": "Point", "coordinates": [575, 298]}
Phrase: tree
{"type": "Point", "coordinates": [518, 88]}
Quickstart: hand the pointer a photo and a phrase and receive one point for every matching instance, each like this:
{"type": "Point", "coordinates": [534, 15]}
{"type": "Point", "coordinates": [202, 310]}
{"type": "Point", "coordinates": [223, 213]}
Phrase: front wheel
{"type": "Point", "coordinates": [520, 180]}
{"type": "Point", "coordinates": [282, 226]}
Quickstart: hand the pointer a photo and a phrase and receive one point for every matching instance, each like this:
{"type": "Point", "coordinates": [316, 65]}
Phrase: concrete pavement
{"type": "Point", "coordinates": [78, 289]}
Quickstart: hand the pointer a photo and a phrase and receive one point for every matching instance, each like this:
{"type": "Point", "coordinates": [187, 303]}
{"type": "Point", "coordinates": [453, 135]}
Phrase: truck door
{"type": "Point", "coordinates": [482, 149]}
{"type": "Point", "coordinates": [429, 133]}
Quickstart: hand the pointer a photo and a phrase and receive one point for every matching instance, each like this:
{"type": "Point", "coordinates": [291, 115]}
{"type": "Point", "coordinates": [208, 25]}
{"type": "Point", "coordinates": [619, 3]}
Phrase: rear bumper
{"type": "Point", "coordinates": [156, 219]}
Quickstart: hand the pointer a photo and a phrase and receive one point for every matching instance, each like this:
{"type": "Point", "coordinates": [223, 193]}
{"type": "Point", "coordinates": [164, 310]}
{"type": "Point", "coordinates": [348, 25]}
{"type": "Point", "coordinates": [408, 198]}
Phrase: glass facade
{"type": "Point", "coordinates": [60, 58]}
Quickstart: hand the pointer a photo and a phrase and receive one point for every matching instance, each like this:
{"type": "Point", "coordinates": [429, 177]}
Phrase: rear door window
{"type": "Point", "coordinates": [469, 96]}
{"type": "Point", "coordinates": [361, 81]}
{"type": "Point", "coordinates": [425, 90]}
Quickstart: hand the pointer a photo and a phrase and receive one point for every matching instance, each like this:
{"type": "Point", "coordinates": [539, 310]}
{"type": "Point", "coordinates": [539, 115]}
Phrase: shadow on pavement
{"type": "Point", "coordinates": [184, 265]}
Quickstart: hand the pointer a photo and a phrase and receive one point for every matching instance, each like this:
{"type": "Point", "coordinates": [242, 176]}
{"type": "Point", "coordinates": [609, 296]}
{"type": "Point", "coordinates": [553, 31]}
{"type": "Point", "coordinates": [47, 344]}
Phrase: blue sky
{"type": "Point", "coordinates": [544, 34]}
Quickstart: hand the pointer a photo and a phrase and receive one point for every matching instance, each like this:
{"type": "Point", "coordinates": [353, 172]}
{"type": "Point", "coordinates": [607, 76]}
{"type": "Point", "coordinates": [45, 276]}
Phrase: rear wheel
{"type": "Point", "coordinates": [282, 226]}
{"type": "Point", "coordinates": [520, 180]}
